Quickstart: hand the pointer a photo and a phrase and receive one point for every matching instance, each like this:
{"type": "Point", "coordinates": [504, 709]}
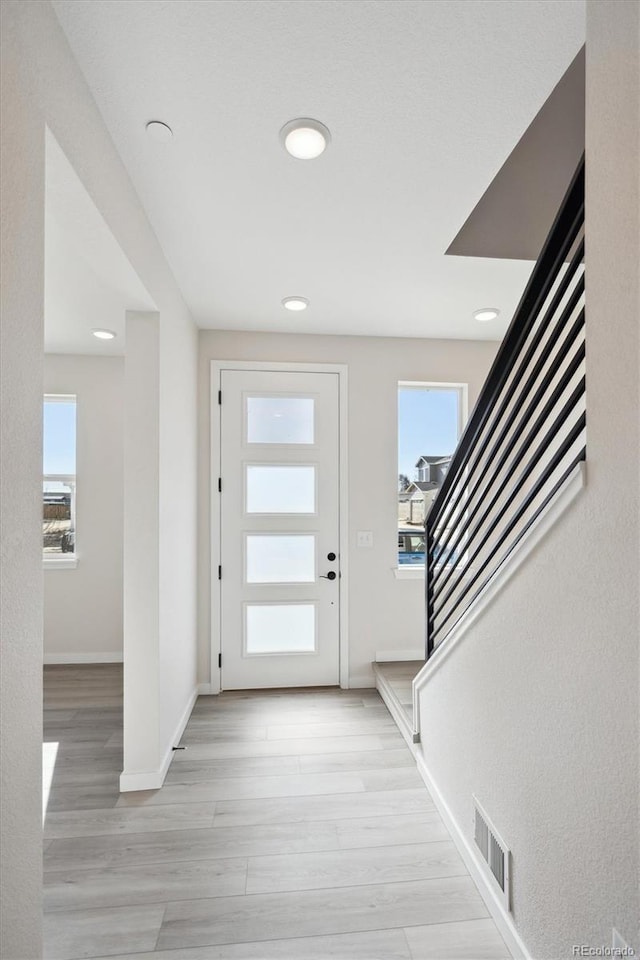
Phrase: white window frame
{"type": "Point", "coordinates": [68, 560]}
{"type": "Point", "coordinates": [417, 571]}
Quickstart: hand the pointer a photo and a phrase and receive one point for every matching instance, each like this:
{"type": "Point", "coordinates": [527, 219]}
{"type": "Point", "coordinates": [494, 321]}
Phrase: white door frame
{"type": "Point", "coordinates": [217, 366]}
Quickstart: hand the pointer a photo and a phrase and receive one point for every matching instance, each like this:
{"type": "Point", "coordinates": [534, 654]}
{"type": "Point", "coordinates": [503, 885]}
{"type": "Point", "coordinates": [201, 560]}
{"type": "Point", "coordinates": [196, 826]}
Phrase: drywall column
{"type": "Point", "coordinates": [613, 417]}
{"type": "Point", "coordinates": [141, 553]}
{"type": "Point", "coordinates": [21, 358]}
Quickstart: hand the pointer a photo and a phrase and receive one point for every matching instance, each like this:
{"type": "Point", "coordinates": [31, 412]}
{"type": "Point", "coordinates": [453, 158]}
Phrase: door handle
{"type": "Point", "coordinates": [329, 576]}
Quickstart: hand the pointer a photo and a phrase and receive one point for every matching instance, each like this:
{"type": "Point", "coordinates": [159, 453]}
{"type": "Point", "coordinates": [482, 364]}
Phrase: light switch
{"type": "Point", "coordinates": [364, 538]}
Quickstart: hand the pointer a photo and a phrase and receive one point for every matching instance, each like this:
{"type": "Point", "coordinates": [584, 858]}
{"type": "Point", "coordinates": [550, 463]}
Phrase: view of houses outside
{"type": "Point", "coordinates": [59, 476]}
{"type": "Point", "coordinates": [428, 430]}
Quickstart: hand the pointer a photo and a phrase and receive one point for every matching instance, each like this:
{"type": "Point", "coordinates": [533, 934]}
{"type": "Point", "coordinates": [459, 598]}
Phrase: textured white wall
{"type": "Point", "coordinates": [21, 337]}
{"type": "Point", "coordinates": [42, 85]}
{"type": "Point", "coordinates": [384, 613]}
{"type": "Point", "coordinates": [536, 710]}
{"type": "Point", "coordinates": [83, 606]}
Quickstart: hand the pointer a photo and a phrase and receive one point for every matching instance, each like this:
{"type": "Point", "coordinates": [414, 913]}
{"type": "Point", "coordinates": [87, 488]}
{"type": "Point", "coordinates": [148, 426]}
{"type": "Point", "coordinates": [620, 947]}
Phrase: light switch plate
{"type": "Point", "coordinates": [364, 539]}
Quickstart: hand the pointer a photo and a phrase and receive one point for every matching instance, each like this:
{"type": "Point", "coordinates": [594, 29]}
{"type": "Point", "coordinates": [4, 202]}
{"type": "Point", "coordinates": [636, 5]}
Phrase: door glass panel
{"type": "Point", "coordinates": [280, 628]}
{"type": "Point", "coordinates": [280, 420]}
{"type": "Point", "coordinates": [281, 489]}
{"type": "Point", "coordinates": [281, 559]}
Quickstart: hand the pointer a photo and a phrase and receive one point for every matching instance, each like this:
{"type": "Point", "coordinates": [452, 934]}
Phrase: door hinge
{"type": "Point", "coordinates": [219, 396]}
{"type": "Point", "coordinates": [219, 484]}
{"type": "Point", "coordinates": [219, 659]}
{"type": "Point", "coordinates": [219, 573]}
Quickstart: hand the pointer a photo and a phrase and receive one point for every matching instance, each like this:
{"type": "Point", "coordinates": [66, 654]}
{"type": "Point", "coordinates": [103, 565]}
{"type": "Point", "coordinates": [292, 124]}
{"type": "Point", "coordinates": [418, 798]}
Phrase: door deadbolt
{"type": "Point", "coordinates": [331, 556]}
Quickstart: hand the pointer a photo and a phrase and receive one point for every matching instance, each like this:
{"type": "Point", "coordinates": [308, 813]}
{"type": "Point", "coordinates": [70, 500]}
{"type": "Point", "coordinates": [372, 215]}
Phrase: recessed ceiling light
{"type": "Point", "coordinates": [104, 334]}
{"type": "Point", "coordinates": [295, 303]}
{"type": "Point", "coordinates": [159, 131]}
{"type": "Point", "coordinates": [305, 139]}
{"type": "Point", "coordinates": [486, 313]}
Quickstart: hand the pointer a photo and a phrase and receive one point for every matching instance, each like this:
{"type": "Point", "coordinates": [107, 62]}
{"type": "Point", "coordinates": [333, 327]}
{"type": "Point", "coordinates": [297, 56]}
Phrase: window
{"type": "Point", "coordinates": [429, 425]}
{"type": "Point", "coordinates": [59, 478]}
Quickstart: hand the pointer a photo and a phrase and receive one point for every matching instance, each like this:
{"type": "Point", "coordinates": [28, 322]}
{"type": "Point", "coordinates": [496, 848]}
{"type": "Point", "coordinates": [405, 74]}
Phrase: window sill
{"type": "Point", "coordinates": [59, 563]}
{"type": "Point", "coordinates": [409, 572]}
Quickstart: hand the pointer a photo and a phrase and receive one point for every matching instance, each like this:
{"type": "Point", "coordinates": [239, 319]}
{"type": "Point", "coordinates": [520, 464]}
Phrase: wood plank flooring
{"type": "Point", "coordinates": [293, 827]}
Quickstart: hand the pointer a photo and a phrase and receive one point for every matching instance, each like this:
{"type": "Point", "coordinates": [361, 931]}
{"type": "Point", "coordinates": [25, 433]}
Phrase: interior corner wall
{"type": "Point", "coordinates": [42, 86]}
{"type": "Point", "coordinates": [83, 605]}
{"type": "Point", "coordinates": [536, 709]}
{"type": "Point", "coordinates": [385, 613]}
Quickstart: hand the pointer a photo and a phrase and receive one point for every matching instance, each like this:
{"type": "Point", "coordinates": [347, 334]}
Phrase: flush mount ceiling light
{"type": "Point", "coordinates": [305, 139]}
{"type": "Point", "coordinates": [295, 303]}
{"type": "Point", "coordinates": [486, 313]}
{"type": "Point", "coordinates": [159, 131]}
{"type": "Point", "coordinates": [104, 334]}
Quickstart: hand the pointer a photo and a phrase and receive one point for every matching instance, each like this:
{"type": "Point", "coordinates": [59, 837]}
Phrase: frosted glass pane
{"type": "Point", "coordinates": [280, 559]}
{"type": "Point", "coordinates": [279, 420]}
{"type": "Point", "coordinates": [281, 628]}
{"type": "Point", "coordinates": [281, 489]}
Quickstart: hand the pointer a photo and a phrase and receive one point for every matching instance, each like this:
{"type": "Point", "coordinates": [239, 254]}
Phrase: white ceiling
{"type": "Point", "coordinates": [88, 280]}
{"type": "Point", "coordinates": [424, 101]}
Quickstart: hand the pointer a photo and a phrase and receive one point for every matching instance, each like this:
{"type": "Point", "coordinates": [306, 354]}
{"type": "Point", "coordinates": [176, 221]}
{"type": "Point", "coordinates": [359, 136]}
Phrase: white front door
{"type": "Point", "coordinates": [279, 522]}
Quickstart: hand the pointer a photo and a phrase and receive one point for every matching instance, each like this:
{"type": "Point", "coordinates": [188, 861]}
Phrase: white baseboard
{"type": "Point", "coordinates": [363, 682]}
{"type": "Point", "coordinates": [82, 658]}
{"type": "Point", "coordinates": [153, 779]}
{"type": "Point", "coordinates": [130, 782]}
{"type": "Point", "coordinates": [395, 656]}
{"type": "Point", "coordinates": [503, 920]}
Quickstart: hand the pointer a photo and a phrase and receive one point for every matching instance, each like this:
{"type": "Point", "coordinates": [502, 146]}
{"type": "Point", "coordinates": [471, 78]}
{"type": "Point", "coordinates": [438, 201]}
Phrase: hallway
{"type": "Point", "coordinates": [293, 825]}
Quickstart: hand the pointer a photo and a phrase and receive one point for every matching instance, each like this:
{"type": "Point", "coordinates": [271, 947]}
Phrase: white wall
{"type": "Point", "coordinates": [142, 707]}
{"type": "Point", "coordinates": [536, 710]}
{"type": "Point", "coordinates": [384, 613]}
{"type": "Point", "coordinates": [21, 337]}
{"type": "Point", "coordinates": [42, 85]}
{"type": "Point", "coordinates": [83, 606]}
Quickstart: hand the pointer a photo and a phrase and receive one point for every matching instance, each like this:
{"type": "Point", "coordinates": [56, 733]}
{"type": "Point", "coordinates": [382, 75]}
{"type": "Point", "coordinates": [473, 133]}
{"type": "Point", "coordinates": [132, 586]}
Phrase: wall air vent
{"type": "Point", "coordinates": [495, 854]}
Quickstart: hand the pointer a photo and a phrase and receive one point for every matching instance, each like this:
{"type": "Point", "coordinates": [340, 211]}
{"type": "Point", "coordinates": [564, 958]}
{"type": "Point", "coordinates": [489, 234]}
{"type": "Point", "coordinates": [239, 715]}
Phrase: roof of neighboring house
{"type": "Point", "coordinates": [404, 494]}
{"type": "Point", "coordinates": [434, 459]}
{"type": "Point", "coordinates": [423, 486]}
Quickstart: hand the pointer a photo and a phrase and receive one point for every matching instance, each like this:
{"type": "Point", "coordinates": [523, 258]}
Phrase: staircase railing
{"type": "Point", "coordinates": [525, 437]}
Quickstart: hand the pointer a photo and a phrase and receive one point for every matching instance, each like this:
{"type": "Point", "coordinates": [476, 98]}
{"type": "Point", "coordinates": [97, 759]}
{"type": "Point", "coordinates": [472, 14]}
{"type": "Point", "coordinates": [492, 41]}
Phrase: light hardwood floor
{"type": "Point", "coordinates": [293, 827]}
